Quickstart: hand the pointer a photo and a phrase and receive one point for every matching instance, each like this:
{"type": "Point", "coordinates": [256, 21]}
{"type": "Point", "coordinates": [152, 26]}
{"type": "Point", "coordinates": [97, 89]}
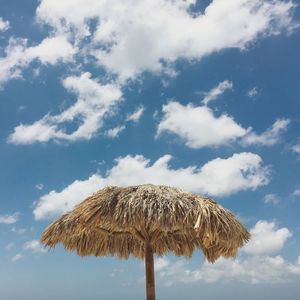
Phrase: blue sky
{"type": "Point", "coordinates": [203, 95]}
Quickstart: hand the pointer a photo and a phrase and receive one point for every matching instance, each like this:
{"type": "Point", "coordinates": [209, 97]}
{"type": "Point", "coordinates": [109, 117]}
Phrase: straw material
{"type": "Point", "coordinates": [121, 221]}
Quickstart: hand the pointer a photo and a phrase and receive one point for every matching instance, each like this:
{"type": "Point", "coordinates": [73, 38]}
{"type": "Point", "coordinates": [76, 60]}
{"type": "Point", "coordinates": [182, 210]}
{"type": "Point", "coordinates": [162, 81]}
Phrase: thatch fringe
{"type": "Point", "coordinates": [119, 221]}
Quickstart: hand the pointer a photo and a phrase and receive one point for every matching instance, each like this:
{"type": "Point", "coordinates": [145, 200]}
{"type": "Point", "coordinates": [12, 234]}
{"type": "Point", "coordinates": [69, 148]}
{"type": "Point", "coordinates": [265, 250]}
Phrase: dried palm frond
{"type": "Point", "coordinates": [122, 221]}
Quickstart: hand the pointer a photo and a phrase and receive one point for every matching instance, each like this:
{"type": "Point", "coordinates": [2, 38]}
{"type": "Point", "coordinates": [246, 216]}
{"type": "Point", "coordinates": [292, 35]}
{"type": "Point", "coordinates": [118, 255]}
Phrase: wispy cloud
{"type": "Point", "coordinates": [17, 257]}
{"type": "Point", "coordinates": [136, 115]}
{"type": "Point", "coordinates": [114, 132]}
{"type": "Point", "coordinates": [271, 199]}
{"type": "Point", "coordinates": [34, 246]}
{"type": "Point", "coordinates": [9, 219]}
{"type": "Point", "coordinates": [19, 56]}
{"type": "Point", "coordinates": [269, 137]}
{"type": "Point", "coordinates": [94, 102]}
{"type": "Point", "coordinates": [217, 91]}
{"type": "Point", "coordinates": [296, 148]}
{"type": "Point", "coordinates": [9, 246]}
{"type": "Point", "coordinates": [18, 230]}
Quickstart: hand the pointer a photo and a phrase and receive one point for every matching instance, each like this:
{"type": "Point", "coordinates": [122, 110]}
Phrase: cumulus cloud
{"type": "Point", "coordinates": [218, 177]}
{"type": "Point", "coordinates": [254, 265]}
{"type": "Point", "coordinates": [4, 25]}
{"type": "Point", "coordinates": [126, 31]}
{"type": "Point", "coordinates": [198, 126]}
{"type": "Point", "coordinates": [94, 102]}
{"type": "Point", "coordinates": [269, 137]}
{"type": "Point", "coordinates": [266, 238]}
{"type": "Point", "coordinates": [119, 42]}
{"type": "Point", "coordinates": [253, 270]}
{"type": "Point", "coordinates": [34, 246]}
{"type": "Point", "coordinates": [9, 219]}
{"type": "Point", "coordinates": [217, 91]}
{"type": "Point", "coordinates": [19, 56]}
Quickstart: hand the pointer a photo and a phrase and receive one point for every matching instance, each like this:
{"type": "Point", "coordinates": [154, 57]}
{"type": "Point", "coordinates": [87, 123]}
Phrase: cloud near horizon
{"type": "Point", "coordinates": [255, 264]}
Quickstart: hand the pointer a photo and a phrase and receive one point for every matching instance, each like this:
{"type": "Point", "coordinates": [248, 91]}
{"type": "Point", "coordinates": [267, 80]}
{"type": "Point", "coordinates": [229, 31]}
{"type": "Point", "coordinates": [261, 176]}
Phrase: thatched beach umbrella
{"type": "Point", "coordinates": [145, 220]}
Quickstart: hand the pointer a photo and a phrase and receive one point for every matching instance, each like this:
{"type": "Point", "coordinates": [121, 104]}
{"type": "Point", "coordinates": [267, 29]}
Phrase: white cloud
{"type": "Point", "coordinates": [19, 56]}
{"type": "Point", "coordinates": [34, 246]}
{"type": "Point", "coordinates": [4, 25]}
{"type": "Point", "coordinates": [252, 92]}
{"type": "Point", "coordinates": [253, 270]}
{"type": "Point", "coordinates": [17, 257]}
{"type": "Point", "coordinates": [217, 91]}
{"type": "Point", "coordinates": [136, 115]}
{"type": "Point", "coordinates": [114, 132]}
{"type": "Point", "coordinates": [126, 31]}
{"type": "Point", "coordinates": [94, 102]}
{"type": "Point", "coordinates": [9, 219]}
{"type": "Point", "coordinates": [219, 177]}
{"type": "Point", "coordinates": [266, 238]}
{"type": "Point", "coordinates": [55, 203]}
{"type": "Point", "coordinates": [269, 137]}
{"type": "Point", "coordinates": [52, 50]}
{"type": "Point", "coordinates": [254, 266]}
{"type": "Point", "coordinates": [271, 199]}
{"type": "Point", "coordinates": [296, 193]}
{"type": "Point", "coordinates": [198, 126]}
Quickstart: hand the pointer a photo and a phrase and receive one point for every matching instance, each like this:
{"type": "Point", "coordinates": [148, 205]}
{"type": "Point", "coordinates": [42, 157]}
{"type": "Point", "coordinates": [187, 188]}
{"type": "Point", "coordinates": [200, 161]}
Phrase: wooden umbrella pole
{"type": "Point", "coordinates": [149, 266]}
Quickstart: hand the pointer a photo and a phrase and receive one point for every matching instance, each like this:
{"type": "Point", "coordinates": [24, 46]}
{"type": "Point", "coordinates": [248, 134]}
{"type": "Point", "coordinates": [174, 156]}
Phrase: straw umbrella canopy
{"type": "Point", "coordinates": [144, 220]}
